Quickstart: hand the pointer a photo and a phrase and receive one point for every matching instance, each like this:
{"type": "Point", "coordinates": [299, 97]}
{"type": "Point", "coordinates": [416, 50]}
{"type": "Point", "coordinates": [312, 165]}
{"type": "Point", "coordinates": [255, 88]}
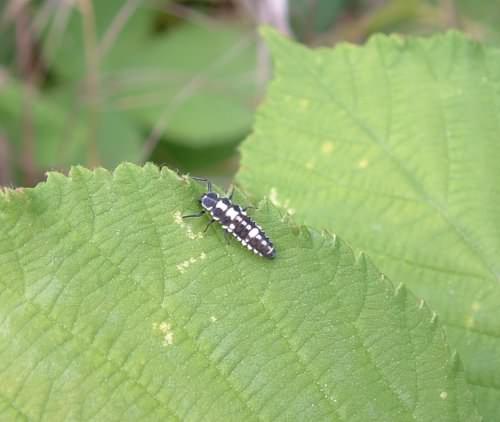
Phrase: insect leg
{"type": "Point", "coordinates": [208, 225]}
{"type": "Point", "coordinates": [198, 214]}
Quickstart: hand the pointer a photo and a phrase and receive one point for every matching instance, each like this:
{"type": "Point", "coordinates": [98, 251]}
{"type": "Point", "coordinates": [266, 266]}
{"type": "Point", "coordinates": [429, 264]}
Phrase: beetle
{"type": "Point", "coordinates": [234, 220]}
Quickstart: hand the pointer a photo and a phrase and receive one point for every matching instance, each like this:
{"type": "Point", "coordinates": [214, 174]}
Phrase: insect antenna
{"type": "Point", "coordinates": [203, 179]}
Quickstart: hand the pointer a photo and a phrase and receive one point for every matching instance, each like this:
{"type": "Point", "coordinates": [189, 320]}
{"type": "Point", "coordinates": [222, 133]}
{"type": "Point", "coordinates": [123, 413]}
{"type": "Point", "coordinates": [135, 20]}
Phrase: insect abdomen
{"type": "Point", "coordinates": [235, 221]}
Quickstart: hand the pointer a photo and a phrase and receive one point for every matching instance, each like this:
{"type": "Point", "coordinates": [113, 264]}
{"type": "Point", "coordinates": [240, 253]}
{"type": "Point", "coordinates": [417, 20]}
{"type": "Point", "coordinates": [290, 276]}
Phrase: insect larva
{"type": "Point", "coordinates": [234, 220]}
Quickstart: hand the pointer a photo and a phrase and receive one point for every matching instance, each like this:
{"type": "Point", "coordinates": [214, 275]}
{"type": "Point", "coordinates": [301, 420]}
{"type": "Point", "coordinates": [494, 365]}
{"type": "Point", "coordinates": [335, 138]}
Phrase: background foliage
{"type": "Point", "coordinates": [175, 82]}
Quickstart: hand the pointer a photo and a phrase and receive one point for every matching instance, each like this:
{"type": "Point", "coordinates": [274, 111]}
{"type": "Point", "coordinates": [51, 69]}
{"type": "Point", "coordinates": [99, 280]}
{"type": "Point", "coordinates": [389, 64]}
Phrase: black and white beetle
{"type": "Point", "coordinates": [234, 220]}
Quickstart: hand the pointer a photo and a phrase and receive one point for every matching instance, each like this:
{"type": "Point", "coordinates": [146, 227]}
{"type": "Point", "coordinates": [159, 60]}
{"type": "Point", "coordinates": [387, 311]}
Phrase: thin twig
{"type": "Point", "coordinates": [59, 23]}
{"type": "Point", "coordinates": [12, 9]}
{"type": "Point", "coordinates": [92, 77]}
{"type": "Point", "coordinates": [452, 15]}
{"type": "Point", "coordinates": [5, 171]}
{"type": "Point", "coordinates": [117, 25]}
{"type": "Point", "coordinates": [270, 12]}
{"type": "Point", "coordinates": [27, 69]}
{"type": "Point", "coordinates": [43, 14]}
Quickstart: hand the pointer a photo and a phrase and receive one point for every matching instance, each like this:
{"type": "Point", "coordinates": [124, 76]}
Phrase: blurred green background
{"type": "Point", "coordinates": [174, 82]}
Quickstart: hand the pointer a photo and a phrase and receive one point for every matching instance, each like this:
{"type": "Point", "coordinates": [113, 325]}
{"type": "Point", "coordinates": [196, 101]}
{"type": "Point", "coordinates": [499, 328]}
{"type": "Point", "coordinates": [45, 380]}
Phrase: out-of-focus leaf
{"type": "Point", "coordinates": [480, 17]}
{"type": "Point", "coordinates": [55, 135]}
{"type": "Point", "coordinates": [197, 82]}
{"type": "Point", "coordinates": [309, 18]}
{"type": "Point", "coordinates": [62, 136]}
{"type": "Point", "coordinates": [114, 308]}
{"type": "Point", "coordinates": [65, 48]}
{"type": "Point", "coordinates": [395, 146]}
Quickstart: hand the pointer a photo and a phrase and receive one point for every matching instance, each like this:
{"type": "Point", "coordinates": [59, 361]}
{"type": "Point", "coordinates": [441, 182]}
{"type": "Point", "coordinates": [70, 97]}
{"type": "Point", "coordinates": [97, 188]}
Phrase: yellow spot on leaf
{"type": "Point", "coordinates": [476, 306]}
{"type": "Point", "coordinates": [327, 148]}
{"type": "Point", "coordinates": [184, 265]}
{"type": "Point", "coordinates": [213, 318]}
{"type": "Point", "coordinates": [443, 395]}
{"type": "Point", "coordinates": [165, 329]}
{"type": "Point", "coordinates": [310, 164]}
{"type": "Point", "coordinates": [187, 228]}
{"type": "Point", "coordinates": [469, 321]}
{"type": "Point", "coordinates": [178, 218]}
{"type": "Point", "coordinates": [168, 339]}
{"type": "Point", "coordinates": [362, 164]}
{"type": "Point", "coordinates": [273, 197]}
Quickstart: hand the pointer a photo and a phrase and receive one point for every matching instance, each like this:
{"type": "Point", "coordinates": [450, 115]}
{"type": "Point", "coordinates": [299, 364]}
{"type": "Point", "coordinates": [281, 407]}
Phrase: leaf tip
{"type": "Point", "coordinates": [78, 171]}
{"type": "Point", "coordinates": [360, 258]}
{"type": "Point", "coordinates": [421, 304]}
{"type": "Point", "coordinates": [455, 362]}
{"type": "Point", "coordinates": [126, 167]}
{"type": "Point", "coordinates": [400, 290]}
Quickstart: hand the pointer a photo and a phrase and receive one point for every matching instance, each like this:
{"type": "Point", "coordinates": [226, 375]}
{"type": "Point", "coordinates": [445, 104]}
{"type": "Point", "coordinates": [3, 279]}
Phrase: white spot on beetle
{"type": "Point", "coordinates": [221, 205]}
{"type": "Point", "coordinates": [231, 213]}
{"type": "Point", "coordinates": [253, 232]}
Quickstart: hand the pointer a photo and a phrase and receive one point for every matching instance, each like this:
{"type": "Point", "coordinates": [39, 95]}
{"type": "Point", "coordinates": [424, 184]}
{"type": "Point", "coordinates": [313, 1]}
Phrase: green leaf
{"type": "Point", "coordinates": [114, 308]}
{"type": "Point", "coordinates": [394, 146]}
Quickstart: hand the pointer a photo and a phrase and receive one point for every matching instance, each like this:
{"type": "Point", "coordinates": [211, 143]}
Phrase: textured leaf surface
{"type": "Point", "coordinates": [395, 147]}
{"type": "Point", "coordinates": [114, 308]}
